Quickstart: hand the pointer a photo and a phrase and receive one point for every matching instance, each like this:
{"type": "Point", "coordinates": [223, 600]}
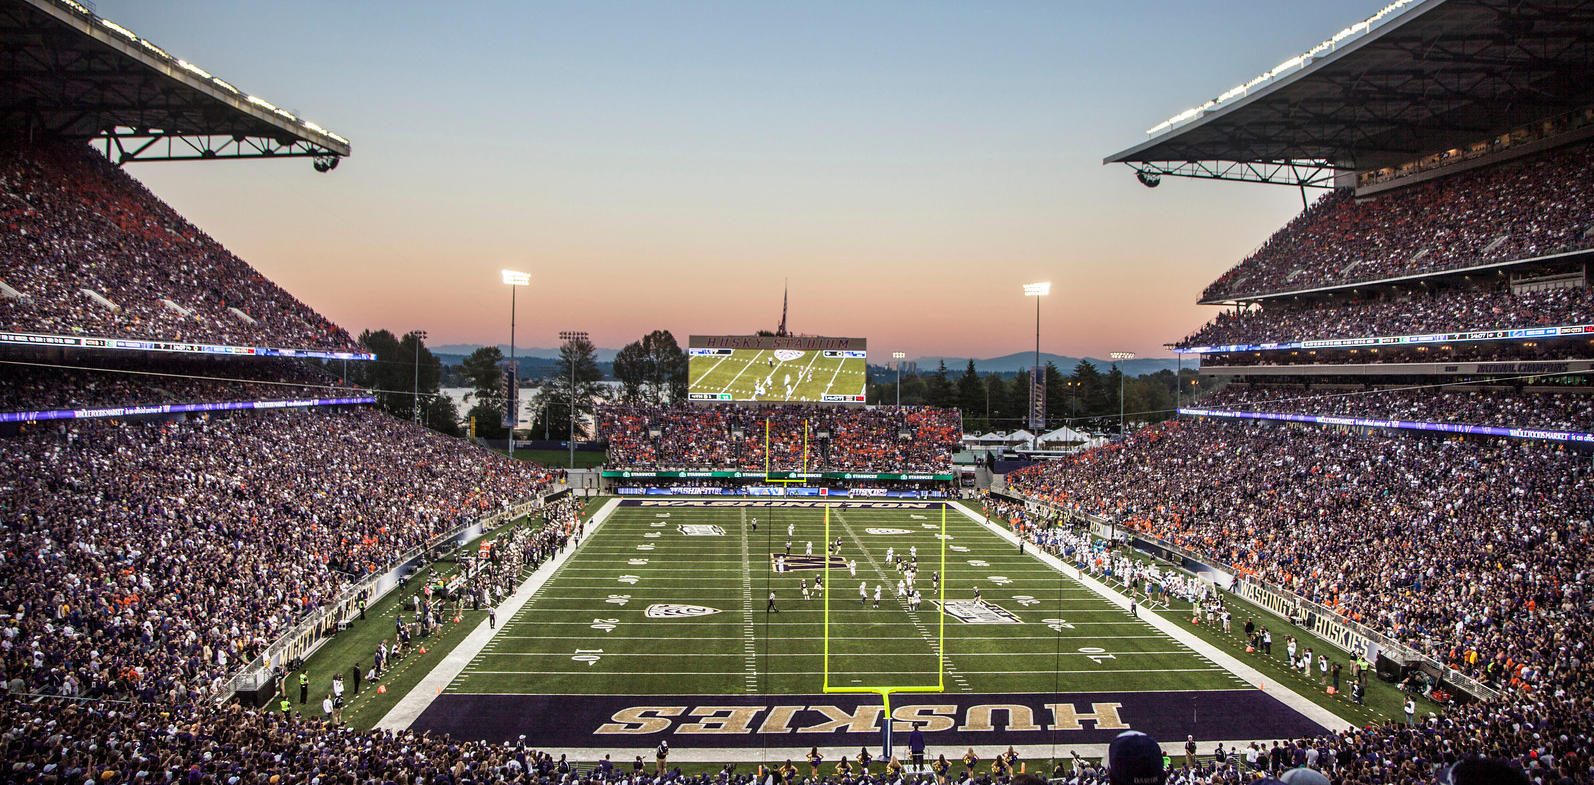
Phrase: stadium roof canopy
{"type": "Point", "coordinates": [72, 74]}
{"type": "Point", "coordinates": [1419, 78]}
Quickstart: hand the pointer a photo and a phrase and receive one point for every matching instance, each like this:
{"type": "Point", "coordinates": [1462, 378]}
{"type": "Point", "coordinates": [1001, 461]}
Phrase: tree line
{"type": "Point", "coordinates": [1086, 399]}
{"type": "Point", "coordinates": [406, 379]}
{"type": "Point", "coordinates": [652, 370]}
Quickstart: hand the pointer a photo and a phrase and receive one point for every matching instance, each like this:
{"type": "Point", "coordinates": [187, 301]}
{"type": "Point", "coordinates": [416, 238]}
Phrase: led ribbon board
{"type": "Point", "coordinates": [1399, 340]}
{"type": "Point", "coordinates": [179, 347]}
{"type": "Point", "coordinates": [173, 408]}
{"type": "Point", "coordinates": [1438, 427]}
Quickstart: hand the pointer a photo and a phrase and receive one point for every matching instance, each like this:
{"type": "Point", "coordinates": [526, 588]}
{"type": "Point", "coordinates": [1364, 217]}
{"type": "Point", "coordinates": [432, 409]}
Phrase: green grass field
{"type": "Point", "coordinates": [809, 376]}
{"type": "Point", "coordinates": [589, 629]}
{"type": "Point", "coordinates": [560, 459]}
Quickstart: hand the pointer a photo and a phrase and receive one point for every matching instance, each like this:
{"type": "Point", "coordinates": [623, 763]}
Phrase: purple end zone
{"type": "Point", "coordinates": [703, 721]}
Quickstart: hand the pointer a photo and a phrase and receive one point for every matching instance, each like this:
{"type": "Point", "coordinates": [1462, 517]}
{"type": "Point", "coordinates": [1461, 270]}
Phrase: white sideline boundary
{"type": "Point", "coordinates": [1221, 658]}
{"type": "Point", "coordinates": [443, 674]}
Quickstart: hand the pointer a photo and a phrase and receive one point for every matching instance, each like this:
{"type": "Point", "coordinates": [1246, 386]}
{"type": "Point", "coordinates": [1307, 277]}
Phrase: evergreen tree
{"type": "Point", "coordinates": [483, 370]}
{"type": "Point", "coordinates": [1056, 396]}
{"type": "Point", "coordinates": [1092, 397]}
{"type": "Point", "coordinates": [588, 389]}
{"type": "Point", "coordinates": [938, 389]}
{"type": "Point", "coordinates": [971, 398]}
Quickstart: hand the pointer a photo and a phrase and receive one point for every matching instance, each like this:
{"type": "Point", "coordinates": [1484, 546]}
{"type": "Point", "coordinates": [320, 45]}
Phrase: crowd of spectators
{"type": "Point", "coordinates": [1539, 350]}
{"type": "Point", "coordinates": [70, 222]}
{"type": "Point", "coordinates": [1450, 311]}
{"type": "Point", "coordinates": [704, 437]}
{"type": "Point", "coordinates": [43, 387]}
{"type": "Point", "coordinates": [153, 560]}
{"type": "Point", "coordinates": [1570, 410]}
{"type": "Point", "coordinates": [1474, 551]}
{"type": "Point", "coordinates": [1517, 210]}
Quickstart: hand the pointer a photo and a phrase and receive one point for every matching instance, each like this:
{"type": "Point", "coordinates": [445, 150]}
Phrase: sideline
{"type": "Point", "coordinates": [443, 674]}
{"type": "Point", "coordinates": [1221, 658]}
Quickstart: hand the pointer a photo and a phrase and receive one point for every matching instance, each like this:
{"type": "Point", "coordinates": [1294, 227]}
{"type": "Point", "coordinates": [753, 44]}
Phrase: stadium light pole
{"type": "Point", "coordinates": [418, 335]}
{"type": "Point", "coordinates": [1037, 291]}
{"type": "Point", "coordinates": [571, 336]}
{"type": "Point", "coordinates": [515, 280]}
{"type": "Point", "coordinates": [899, 357]}
{"type": "Point", "coordinates": [1121, 374]}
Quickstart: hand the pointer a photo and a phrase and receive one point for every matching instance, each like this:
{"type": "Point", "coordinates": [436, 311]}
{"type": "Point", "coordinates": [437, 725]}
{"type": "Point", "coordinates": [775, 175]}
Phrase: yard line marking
{"type": "Point", "coordinates": [745, 366]}
{"type": "Point", "coordinates": [913, 617]}
{"type": "Point", "coordinates": [710, 371]}
{"type": "Point", "coordinates": [1228, 663]}
{"type": "Point", "coordinates": [453, 665]}
{"type": "Point", "coordinates": [750, 663]}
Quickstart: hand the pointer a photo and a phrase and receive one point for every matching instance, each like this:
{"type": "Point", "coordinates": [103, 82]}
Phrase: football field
{"type": "Point", "coordinates": [777, 375]}
{"type": "Point", "coordinates": [660, 626]}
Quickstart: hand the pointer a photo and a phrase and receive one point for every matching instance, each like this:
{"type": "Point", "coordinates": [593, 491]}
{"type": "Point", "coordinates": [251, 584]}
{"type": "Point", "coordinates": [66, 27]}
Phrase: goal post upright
{"type": "Point", "coordinates": [885, 692]}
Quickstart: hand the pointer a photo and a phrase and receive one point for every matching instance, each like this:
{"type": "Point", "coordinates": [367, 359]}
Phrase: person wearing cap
{"type": "Point", "coordinates": [1135, 759]}
{"type": "Point", "coordinates": [1189, 751]}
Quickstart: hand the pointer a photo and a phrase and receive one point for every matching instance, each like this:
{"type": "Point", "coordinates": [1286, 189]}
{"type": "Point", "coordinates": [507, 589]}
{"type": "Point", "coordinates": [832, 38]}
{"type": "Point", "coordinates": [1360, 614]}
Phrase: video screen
{"type": "Point", "coordinates": [774, 369]}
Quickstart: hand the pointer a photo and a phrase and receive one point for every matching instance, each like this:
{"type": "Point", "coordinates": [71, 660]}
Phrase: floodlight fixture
{"type": "Point", "coordinates": [415, 392]}
{"type": "Point", "coordinates": [570, 336]}
{"type": "Point", "coordinates": [512, 412]}
{"type": "Point", "coordinates": [1121, 375]}
{"type": "Point", "coordinates": [899, 357]}
{"type": "Point", "coordinates": [1037, 404]}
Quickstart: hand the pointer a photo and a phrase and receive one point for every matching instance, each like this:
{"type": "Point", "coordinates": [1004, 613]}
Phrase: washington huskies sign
{"type": "Point", "coordinates": [951, 720]}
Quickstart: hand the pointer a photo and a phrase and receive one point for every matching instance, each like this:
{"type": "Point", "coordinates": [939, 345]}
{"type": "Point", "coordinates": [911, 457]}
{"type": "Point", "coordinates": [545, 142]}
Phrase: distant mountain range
{"type": "Point", "coordinates": [531, 356]}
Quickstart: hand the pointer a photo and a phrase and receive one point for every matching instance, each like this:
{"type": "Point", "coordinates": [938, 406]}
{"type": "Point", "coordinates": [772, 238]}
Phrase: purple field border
{"type": "Point", "coordinates": [840, 720]}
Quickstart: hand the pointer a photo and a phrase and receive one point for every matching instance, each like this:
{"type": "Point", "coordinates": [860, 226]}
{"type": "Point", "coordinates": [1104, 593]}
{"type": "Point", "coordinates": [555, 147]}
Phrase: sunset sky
{"type": "Point", "coordinates": [907, 166]}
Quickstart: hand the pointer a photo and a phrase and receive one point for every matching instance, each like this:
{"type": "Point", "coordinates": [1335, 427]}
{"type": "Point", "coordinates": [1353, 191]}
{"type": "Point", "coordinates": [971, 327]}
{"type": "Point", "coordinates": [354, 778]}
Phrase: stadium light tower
{"type": "Point", "coordinates": [899, 357]}
{"type": "Point", "coordinates": [1037, 291]}
{"type": "Point", "coordinates": [1121, 374]}
{"type": "Point", "coordinates": [512, 407]}
{"type": "Point", "coordinates": [570, 336]}
{"type": "Point", "coordinates": [418, 335]}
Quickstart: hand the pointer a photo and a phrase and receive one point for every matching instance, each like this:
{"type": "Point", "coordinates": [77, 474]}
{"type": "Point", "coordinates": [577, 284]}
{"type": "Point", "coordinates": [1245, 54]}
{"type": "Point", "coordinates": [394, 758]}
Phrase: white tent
{"type": "Point", "coordinates": [1062, 438]}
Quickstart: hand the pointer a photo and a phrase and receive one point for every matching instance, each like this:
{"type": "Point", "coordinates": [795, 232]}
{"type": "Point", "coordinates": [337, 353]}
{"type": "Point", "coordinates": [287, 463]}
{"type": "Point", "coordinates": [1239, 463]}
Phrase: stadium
{"type": "Point", "coordinates": [1362, 557]}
